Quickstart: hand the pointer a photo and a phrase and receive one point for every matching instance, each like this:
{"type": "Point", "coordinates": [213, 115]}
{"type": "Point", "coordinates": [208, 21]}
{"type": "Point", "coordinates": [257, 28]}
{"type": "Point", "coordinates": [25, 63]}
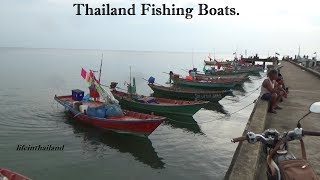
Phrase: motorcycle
{"type": "Point", "coordinates": [281, 164]}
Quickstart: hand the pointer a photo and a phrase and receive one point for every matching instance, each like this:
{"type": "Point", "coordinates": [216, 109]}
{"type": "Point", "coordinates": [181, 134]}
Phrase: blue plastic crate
{"type": "Point", "coordinates": [77, 95]}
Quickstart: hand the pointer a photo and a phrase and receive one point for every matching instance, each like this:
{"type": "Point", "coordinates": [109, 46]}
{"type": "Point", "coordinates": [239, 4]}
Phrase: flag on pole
{"type": "Point", "coordinates": [83, 73]}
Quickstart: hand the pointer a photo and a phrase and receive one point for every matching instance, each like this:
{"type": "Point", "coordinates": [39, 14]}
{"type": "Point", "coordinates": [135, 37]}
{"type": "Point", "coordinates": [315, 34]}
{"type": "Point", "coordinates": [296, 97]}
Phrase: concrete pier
{"type": "Point", "coordinates": [304, 89]}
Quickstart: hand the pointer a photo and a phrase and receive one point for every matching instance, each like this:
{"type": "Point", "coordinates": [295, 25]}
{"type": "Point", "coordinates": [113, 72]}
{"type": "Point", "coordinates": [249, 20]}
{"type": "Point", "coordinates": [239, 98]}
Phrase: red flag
{"type": "Point", "coordinates": [83, 73]}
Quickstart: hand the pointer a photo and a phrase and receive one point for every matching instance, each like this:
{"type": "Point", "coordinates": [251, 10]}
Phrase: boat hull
{"type": "Point", "coordinates": [205, 84]}
{"type": "Point", "coordinates": [163, 106]}
{"type": "Point", "coordinates": [236, 72]}
{"type": "Point", "coordinates": [121, 123]}
{"type": "Point", "coordinates": [213, 63]}
{"type": "Point", "coordinates": [231, 76]}
{"type": "Point", "coordinates": [213, 96]}
{"type": "Point", "coordinates": [12, 175]}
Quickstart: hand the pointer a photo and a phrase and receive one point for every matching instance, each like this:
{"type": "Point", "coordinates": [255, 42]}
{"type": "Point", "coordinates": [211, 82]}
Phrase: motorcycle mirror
{"type": "Point", "coordinates": [315, 107]}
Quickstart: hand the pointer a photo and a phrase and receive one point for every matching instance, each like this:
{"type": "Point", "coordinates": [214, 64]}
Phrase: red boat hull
{"type": "Point", "coordinates": [130, 122]}
{"type": "Point", "coordinates": [140, 127]}
{"type": "Point", "coordinates": [12, 175]}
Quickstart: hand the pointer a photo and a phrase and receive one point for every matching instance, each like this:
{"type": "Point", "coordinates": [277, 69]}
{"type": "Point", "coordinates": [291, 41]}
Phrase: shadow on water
{"type": "Point", "coordinates": [183, 122]}
{"type": "Point", "coordinates": [239, 88]}
{"type": "Point", "coordinates": [215, 106]}
{"type": "Point", "coordinates": [139, 147]}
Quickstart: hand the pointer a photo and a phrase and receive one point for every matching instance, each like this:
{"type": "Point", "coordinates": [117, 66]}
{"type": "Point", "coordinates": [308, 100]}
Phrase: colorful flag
{"type": "Point", "coordinates": [88, 76]}
{"type": "Point", "coordinates": [83, 73]}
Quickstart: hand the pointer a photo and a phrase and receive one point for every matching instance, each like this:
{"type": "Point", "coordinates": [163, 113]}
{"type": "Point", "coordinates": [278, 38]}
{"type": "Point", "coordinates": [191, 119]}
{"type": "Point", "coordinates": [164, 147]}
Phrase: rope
{"type": "Point", "coordinates": [215, 119]}
{"type": "Point", "coordinates": [259, 77]}
{"type": "Point", "coordinates": [77, 114]}
{"type": "Point", "coordinates": [250, 93]}
{"type": "Point", "coordinates": [153, 83]}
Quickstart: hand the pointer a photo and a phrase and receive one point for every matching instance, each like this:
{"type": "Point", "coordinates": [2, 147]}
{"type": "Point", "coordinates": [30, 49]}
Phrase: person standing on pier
{"type": "Point", "coordinates": [270, 91]}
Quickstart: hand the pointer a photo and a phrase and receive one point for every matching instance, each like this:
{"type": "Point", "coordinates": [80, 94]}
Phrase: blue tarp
{"type": "Point", "coordinates": [104, 111]}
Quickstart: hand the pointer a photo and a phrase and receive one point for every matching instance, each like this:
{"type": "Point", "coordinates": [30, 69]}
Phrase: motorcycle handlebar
{"type": "Point", "coordinates": [292, 135]}
{"type": "Point", "coordinates": [238, 139]}
{"type": "Point", "coordinates": [311, 133]}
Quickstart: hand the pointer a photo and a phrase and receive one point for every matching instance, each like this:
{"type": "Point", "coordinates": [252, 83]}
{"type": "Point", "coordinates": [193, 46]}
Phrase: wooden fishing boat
{"type": "Point", "coordinates": [158, 105]}
{"type": "Point", "coordinates": [128, 122]}
{"type": "Point", "coordinates": [241, 77]}
{"type": "Point", "coordinates": [251, 68]}
{"type": "Point", "coordinates": [186, 94]}
{"type": "Point", "coordinates": [210, 83]}
{"type": "Point", "coordinates": [255, 71]}
{"type": "Point", "coordinates": [11, 175]}
{"type": "Point", "coordinates": [222, 63]}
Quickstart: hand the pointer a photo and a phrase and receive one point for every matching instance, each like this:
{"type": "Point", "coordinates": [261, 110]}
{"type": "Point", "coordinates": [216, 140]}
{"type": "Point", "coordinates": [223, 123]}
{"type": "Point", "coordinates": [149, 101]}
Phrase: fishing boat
{"type": "Point", "coordinates": [126, 122]}
{"type": "Point", "coordinates": [209, 83]}
{"type": "Point", "coordinates": [251, 68]}
{"type": "Point", "coordinates": [202, 76]}
{"type": "Point", "coordinates": [157, 105]}
{"type": "Point", "coordinates": [223, 63]}
{"type": "Point", "coordinates": [101, 109]}
{"type": "Point", "coordinates": [6, 174]}
{"type": "Point", "coordinates": [188, 94]}
{"type": "Point", "coordinates": [195, 73]}
{"type": "Point", "coordinates": [235, 68]}
{"type": "Point", "coordinates": [255, 71]}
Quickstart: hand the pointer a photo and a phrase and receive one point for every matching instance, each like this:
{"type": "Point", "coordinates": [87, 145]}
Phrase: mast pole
{"type": "Point", "coordinates": [192, 60]}
{"type": "Point", "coordinates": [100, 68]}
{"type": "Point", "coordinates": [130, 85]}
{"type": "Point", "coordinates": [130, 75]}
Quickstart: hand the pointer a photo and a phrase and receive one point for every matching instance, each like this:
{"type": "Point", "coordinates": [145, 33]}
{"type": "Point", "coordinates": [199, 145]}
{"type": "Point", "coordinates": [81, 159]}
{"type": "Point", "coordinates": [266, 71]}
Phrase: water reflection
{"type": "Point", "coordinates": [183, 122]}
{"type": "Point", "coordinates": [239, 88]}
{"type": "Point", "coordinates": [139, 147]}
{"type": "Point", "coordinates": [215, 106]}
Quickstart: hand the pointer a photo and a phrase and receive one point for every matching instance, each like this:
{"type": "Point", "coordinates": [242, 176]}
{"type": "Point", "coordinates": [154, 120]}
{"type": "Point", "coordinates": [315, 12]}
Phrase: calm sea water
{"type": "Point", "coordinates": [30, 78]}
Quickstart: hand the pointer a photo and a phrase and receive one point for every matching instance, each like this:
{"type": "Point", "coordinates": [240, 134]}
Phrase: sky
{"type": "Point", "coordinates": [263, 27]}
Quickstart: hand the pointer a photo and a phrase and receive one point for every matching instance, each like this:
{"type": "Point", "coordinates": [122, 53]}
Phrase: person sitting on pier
{"type": "Point", "coordinates": [280, 81]}
{"type": "Point", "coordinates": [270, 91]}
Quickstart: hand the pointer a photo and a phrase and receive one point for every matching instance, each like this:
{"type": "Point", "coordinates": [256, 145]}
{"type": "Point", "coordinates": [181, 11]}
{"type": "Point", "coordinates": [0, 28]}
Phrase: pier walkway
{"type": "Point", "coordinates": [304, 89]}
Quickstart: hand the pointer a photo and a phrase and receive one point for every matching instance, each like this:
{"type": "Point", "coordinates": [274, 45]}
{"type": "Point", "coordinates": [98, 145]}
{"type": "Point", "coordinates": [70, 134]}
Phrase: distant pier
{"type": "Point", "coordinates": [256, 58]}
